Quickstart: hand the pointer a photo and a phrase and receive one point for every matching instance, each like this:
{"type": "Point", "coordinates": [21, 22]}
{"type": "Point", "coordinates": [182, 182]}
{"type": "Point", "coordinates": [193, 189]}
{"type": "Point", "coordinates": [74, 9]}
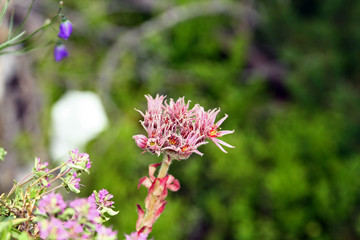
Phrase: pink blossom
{"type": "Point", "coordinates": [52, 229]}
{"type": "Point", "coordinates": [51, 204]}
{"type": "Point", "coordinates": [86, 208]}
{"type": "Point", "coordinates": [41, 166]}
{"type": "Point", "coordinates": [102, 198]}
{"type": "Point", "coordinates": [75, 229]}
{"type": "Point", "coordinates": [75, 181]}
{"type": "Point", "coordinates": [208, 127]}
{"type": "Point", "coordinates": [81, 160]}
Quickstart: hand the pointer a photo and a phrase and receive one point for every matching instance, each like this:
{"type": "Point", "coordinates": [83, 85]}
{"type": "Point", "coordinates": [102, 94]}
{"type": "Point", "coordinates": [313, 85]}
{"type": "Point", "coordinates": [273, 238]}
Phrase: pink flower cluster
{"type": "Point", "coordinates": [79, 160]}
{"type": "Point", "coordinates": [78, 219]}
{"type": "Point", "coordinates": [176, 130]}
{"type": "Point", "coordinates": [156, 195]}
{"type": "Point", "coordinates": [102, 199]}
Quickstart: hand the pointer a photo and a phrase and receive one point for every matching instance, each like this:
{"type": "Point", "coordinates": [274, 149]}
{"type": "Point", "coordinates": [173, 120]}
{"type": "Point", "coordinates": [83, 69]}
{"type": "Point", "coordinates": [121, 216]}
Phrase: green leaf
{"type": "Point", "coordinates": [2, 154]}
{"type": "Point", "coordinates": [111, 212]}
{"type": "Point", "coordinates": [24, 236]}
{"type": "Point", "coordinates": [33, 192]}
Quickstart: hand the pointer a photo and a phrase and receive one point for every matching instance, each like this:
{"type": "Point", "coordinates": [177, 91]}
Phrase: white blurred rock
{"type": "Point", "coordinates": [77, 118]}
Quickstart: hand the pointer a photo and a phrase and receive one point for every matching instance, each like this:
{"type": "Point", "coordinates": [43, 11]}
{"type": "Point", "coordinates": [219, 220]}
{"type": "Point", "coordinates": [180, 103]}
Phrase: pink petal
{"type": "Point", "coordinates": [174, 186]}
{"type": "Point", "coordinates": [221, 120]}
{"type": "Point", "coordinates": [222, 133]}
{"type": "Point", "coordinates": [144, 181]}
{"type": "Point", "coordinates": [224, 143]}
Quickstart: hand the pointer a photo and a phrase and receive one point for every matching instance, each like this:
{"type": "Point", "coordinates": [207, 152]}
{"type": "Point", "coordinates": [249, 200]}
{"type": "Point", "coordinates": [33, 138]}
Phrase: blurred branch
{"type": "Point", "coordinates": [164, 21]}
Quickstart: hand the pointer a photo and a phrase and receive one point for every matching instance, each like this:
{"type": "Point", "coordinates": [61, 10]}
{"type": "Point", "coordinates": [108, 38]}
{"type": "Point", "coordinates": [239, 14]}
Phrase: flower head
{"type": "Point", "coordinates": [79, 160]}
{"type": "Point", "coordinates": [40, 166]}
{"type": "Point", "coordinates": [75, 182]}
{"type": "Point", "coordinates": [176, 129]}
{"type": "Point", "coordinates": [60, 52]}
{"type": "Point", "coordinates": [206, 122]}
{"type": "Point", "coordinates": [102, 198]}
{"type": "Point", "coordinates": [75, 229]}
{"type": "Point", "coordinates": [51, 204]}
{"type": "Point", "coordinates": [65, 29]}
{"type": "Point", "coordinates": [86, 208]}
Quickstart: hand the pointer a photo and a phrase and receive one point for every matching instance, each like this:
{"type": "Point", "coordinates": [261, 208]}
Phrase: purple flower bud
{"type": "Point", "coordinates": [65, 29]}
{"type": "Point", "coordinates": [60, 52]}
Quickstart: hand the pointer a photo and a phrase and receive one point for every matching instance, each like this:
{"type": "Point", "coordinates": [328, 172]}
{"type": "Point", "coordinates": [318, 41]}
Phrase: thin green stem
{"type": "Point", "coordinates": [46, 174]}
{"type": "Point", "coordinates": [53, 189]}
{"type": "Point", "coordinates": [38, 196]}
{"type": "Point", "coordinates": [3, 11]}
{"type": "Point", "coordinates": [164, 166]}
{"type": "Point", "coordinates": [21, 183]}
{"type": "Point", "coordinates": [12, 43]}
{"type": "Point", "coordinates": [26, 16]}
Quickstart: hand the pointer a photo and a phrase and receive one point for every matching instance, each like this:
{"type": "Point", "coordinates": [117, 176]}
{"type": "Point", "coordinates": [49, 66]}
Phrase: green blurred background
{"type": "Point", "coordinates": [286, 73]}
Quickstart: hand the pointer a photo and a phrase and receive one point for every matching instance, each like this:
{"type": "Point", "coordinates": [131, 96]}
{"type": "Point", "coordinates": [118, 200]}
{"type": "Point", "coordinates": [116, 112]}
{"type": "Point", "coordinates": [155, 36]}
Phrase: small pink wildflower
{"type": "Point", "coordinates": [176, 130]}
{"type": "Point", "coordinates": [80, 159]}
{"type": "Point", "coordinates": [75, 182]}
{"type": "Point", "coordinates": [51, 204]}
{"type": "Point", "coordinates": [86, 208]}
{"type": "Point", "coordinates": [53, 229]}
{"type": "Point", "coordinates": [75, 229]}
{"type": "Point", "coordinates": [207, 125]}
{"type": "Point", "coordinates": [102, 198]}
{"type": "Point", "coordinates": [41, 166]}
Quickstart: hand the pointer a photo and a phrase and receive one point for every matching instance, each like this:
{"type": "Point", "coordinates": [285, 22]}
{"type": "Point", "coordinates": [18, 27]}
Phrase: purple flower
{"type": "Point", "coordinates": [60, 52]}
{"type": "Point", "coordinates": [52, 203]}
{"type": "Point", "coordinates": [53, 229]}
{"type": "Point", "coordinates": [65, 29]}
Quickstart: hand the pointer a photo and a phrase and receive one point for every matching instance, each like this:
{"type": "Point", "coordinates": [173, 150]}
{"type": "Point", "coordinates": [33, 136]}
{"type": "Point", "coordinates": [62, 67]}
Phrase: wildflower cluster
{"type": "Point", "coordinates": [38, 212]}
{"type": "Point", "coordinates": [174, 129]}
{"type": "Point", "coordinates": [77, 219]}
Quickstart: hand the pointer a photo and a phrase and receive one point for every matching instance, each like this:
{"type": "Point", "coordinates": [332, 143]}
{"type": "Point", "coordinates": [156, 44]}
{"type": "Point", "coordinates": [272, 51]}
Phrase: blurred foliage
{"type": "Point", "coordinates": [294, 171]}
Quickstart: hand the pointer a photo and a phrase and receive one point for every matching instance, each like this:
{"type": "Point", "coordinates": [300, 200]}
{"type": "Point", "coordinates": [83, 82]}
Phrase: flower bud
{"type": "Point", "coordinates": [65, 29]}
{"type": "Point", "coordinates": [60, 52]}
{"type": "Point", "coordinates": [140, 140]}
